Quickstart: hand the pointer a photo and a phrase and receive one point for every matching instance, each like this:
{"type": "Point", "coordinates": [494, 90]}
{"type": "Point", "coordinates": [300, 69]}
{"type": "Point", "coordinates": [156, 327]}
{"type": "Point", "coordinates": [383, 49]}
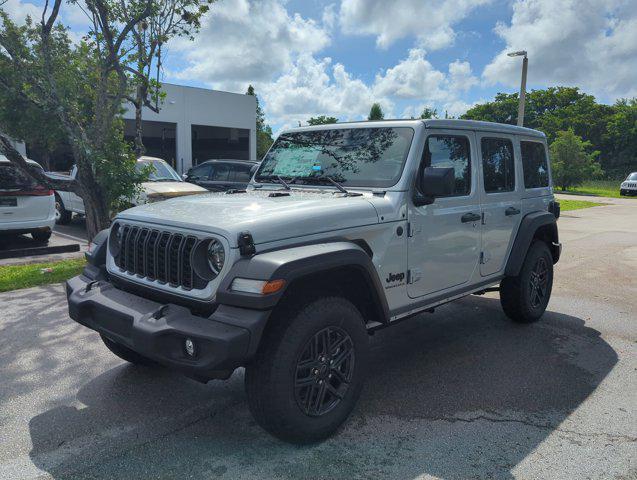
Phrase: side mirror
{"type": "Point", "coordinates": [434, 182]}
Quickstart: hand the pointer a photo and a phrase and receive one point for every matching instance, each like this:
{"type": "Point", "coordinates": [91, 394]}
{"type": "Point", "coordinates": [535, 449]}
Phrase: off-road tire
{"type": "Point", "coordinates": [41, 236]}
{"type": "Point", "coordinates": [271, 379]}
{"type": "Point", "coordinates": [63, 216]}
{"type": "Point", "coordinates": [127, 354]}
{"type": "Point", "coordinates": [517, 296]}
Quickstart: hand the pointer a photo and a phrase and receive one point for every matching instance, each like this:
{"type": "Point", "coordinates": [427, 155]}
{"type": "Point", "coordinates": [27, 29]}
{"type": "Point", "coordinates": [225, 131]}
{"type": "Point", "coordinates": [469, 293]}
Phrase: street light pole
{"type": "Point", "coordinates": [525, 64]}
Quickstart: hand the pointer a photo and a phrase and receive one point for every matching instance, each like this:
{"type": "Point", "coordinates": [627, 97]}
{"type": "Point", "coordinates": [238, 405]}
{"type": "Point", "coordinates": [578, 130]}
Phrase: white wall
{"type": "Point", "coordinates": [188, 106]}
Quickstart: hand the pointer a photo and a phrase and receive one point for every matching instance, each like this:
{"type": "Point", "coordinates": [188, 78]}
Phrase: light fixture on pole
{"type": "Point", "coordinates": [525, 64]}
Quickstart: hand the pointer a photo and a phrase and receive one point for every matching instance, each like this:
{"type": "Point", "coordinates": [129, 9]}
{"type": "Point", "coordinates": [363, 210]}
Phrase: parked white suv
{"type": "Point", "coordinates": [343, 230]}
{"type": "Point", "coordinates": [629, 186]}
{"type": "Point", "coordinates": [25, 206]}
{"type": "Point", "coordinates": [163, 183]}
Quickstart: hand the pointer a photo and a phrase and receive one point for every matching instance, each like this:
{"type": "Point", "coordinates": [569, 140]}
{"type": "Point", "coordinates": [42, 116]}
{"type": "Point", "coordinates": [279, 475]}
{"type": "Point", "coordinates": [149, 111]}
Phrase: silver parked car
{"type": "Point", "coordinates": [629, 186]}
{"type": "Point", "coordinates": [344, 229]}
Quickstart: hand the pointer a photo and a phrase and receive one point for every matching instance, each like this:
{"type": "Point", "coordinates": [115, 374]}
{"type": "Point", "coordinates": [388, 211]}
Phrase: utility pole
{"type": "Point", "coordinates": [525, 64]}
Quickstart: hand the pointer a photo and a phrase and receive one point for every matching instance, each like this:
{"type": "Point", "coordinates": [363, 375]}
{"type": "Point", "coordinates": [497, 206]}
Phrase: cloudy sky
{"type": "Point", "coordinates": [337, 57]}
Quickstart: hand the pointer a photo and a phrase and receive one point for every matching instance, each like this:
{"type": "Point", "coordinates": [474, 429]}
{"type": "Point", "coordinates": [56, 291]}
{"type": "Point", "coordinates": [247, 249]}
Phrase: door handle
{"type": "Point", "coordinates": [470, 217]}
{"type": "Point", "coordinates": [511, 211]}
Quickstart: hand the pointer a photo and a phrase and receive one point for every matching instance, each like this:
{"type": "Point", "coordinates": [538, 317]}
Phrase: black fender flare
{"type": "Point", "coordinates": [291, 264]}
{"type": "Point", "coordinates": [528, 228]}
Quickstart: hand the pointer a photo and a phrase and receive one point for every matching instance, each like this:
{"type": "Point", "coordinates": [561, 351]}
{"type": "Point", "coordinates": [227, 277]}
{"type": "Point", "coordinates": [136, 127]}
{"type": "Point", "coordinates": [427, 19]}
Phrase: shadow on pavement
{"type": "Point", "coordinates": [460, 393]}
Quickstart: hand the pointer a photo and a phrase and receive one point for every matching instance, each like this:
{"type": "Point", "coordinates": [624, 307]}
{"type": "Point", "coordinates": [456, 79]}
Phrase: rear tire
{"type": "Point", "coordinates": [126, 353]}
{"type": "Point", "coordinates": [524, 298]}
{"type": "Point", "coordinates": [62, 215]}
{"type": "Point", "coordinates": [41, 236]}
{"type": "Point", "coordinates": [309, 370]}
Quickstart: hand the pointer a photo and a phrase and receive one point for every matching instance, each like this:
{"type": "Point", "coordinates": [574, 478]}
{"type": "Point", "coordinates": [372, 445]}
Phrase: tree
{"type": "Point", "coordinates": [429, 112]}
{"type": "Point", "coordinates": [83, 87]}
{"type": "Point", "coordinates": [321, 120]}
{"type": "Point", "coordinates": [571, 162]}
{"type": "Point", "coordinates": [168, 19]}
{"type": "Point", "coordinates": [376, 112]}
{"type": "Point", "coordinates": [264, 131]}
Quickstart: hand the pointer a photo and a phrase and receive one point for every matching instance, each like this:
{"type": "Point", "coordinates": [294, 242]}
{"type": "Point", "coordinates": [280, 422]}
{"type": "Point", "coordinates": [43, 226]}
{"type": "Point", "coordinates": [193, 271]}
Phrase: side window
{"type": "Point", "coordinates": [450, 151]}
{"type": "Point", "coordinates": [242, 173]}
{"type": "Point", "coordinates": [201, 172]}
{"type": "Point", "coordinates": [534, 164]}
{"type": "Point", "coordinates": [498, 165]}
{"type": "Point", "coordinates": [220, 173]}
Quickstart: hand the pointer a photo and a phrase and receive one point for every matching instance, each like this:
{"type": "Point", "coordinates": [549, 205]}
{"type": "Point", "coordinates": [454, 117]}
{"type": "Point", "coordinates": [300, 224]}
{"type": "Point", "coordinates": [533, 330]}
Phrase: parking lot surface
{"type": "Point", "coordinates": [461, 393]}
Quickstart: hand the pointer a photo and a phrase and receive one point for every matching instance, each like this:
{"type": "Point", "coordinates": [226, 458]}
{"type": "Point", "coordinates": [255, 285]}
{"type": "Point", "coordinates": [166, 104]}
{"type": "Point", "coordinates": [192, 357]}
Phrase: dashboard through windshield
{"type": "Point", "coordinates": [355, 157]}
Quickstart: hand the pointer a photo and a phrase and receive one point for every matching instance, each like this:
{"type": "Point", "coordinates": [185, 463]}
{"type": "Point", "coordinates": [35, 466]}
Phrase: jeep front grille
{"type": "Point", "coordinates": [160, 256]}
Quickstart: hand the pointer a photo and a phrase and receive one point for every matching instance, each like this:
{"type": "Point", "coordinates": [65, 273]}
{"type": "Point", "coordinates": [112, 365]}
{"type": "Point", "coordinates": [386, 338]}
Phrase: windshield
{"type": "Point", "coordinates": [11, 178]}
{"type": "Point", "coordinates": [632, 177]}
{"type": "Point", "coordinates": [370, 157]}
{"type": "Point", "coordinates": [160, 171]}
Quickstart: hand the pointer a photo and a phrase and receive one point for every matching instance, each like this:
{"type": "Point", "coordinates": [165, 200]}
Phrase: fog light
{"type": "Point", "coordinates": [190, 347]}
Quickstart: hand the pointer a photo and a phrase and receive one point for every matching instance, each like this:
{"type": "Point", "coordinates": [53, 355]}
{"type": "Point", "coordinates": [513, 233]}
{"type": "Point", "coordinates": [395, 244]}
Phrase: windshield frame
{"type": "Point", "coordinates": [299, 181]}
{"type": "Point", "coordinates": [146, 162]}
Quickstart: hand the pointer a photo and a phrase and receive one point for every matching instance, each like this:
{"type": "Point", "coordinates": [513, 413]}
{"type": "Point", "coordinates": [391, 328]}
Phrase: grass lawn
{"type": "Point", "coordinates": [14, 277]}
{"type": "Point", "coordinates": [600, 188]}
{"type": "Point", "coordinates": [566, 205]}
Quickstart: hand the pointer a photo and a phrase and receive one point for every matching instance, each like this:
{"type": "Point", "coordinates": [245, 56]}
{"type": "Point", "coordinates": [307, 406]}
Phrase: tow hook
{"type": "Point", "coordinates": [160, 312]}
{"type": "Point", "coordinates": [90, 285]}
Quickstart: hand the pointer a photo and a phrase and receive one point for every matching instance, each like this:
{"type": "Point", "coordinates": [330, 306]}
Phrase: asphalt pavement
{"type": "Point", "coordinates": [461, 393]}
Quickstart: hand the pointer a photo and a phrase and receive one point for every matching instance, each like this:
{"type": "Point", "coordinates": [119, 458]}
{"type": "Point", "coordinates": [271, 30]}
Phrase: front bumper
{"type": "Point", "coordinates": [223, 341]}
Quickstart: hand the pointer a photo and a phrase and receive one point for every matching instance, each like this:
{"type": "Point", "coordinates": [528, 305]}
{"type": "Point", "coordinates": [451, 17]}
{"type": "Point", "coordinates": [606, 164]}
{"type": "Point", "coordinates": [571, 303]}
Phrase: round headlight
{"type": "Point", "coordinates": [216, 255]}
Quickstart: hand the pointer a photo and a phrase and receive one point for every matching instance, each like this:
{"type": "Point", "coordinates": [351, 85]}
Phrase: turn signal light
{"type": "Point", "coordinates": [273, 286]}
{"type": "Point", "coordinates": [259, 287]}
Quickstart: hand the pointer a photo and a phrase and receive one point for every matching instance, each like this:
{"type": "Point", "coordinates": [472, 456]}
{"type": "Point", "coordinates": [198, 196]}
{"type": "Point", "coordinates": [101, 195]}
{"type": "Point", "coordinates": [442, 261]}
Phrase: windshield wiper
{"type": "Point", "coordinates": [276, 179]}
{"type": "Point", "coordinates": [340, 187]}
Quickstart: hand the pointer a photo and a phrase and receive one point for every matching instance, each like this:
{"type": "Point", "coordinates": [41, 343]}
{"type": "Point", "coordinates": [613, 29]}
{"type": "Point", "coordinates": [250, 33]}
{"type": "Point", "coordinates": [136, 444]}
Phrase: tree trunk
{"type": "Point", "coordinates": [139, 105]}
{"type": "Point", "coordinates": [97, 215]}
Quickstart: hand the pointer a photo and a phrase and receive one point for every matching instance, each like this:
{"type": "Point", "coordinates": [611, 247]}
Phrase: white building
{"type": "Point", "coordinates": [193, 125]}
{"type": "Point", "coordinates": [197, 124]}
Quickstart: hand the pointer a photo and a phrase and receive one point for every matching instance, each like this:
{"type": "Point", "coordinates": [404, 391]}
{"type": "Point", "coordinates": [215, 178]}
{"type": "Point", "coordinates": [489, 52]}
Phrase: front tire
{"type": "Point", "coordinates": [309, 371]}
{"type": "Point", "coordinates": [126, 353]}
{"type": "Point", "coordinates": [524, 298]}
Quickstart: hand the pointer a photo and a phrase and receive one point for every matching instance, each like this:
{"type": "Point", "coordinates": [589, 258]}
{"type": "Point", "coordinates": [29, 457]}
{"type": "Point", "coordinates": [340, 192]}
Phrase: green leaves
{"type": "Point", "coordinates": [572, 160]}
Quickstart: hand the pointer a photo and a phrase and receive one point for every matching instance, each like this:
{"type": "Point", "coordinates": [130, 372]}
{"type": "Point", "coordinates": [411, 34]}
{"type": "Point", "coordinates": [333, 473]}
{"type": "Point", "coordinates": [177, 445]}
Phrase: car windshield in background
{"type": "Point", "coordinates": [159, 171]}
{"type": "Point", "coordinates": [632, 177]}
{"type": "Point", "coordinates": [11, 178]}
{"type": "Point", "coordinates": [365, 157]}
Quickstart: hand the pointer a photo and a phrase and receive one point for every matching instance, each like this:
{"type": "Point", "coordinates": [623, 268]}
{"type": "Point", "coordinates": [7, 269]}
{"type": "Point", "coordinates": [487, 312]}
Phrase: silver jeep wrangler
{"type": "Point", "coordinates": [343, 230]}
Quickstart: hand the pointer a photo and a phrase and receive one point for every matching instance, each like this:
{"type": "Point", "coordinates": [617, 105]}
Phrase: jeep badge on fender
{"type": "Point", "coordinates": [289, 277]}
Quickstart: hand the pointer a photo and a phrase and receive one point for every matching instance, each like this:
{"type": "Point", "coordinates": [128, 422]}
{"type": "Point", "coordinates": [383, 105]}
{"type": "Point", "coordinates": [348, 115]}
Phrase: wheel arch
{"type": "Point", "coordinates": [328, 268]}
{"type": "Point", "coordinates": [534, 226]}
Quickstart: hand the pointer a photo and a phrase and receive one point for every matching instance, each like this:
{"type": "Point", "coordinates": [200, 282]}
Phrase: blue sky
{"type": "Point", "coordinates": [337, 57]}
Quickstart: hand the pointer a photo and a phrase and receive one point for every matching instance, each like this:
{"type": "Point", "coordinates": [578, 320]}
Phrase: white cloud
{"type": "Point", "coordinates": [245, 42]}
{"type": "Point", "coordinates": [430, 21]}
{"type": "Point", "coordinates": [18, 10]}
{"type": "Point", "coordinates": [588, 43]}
{"type": "Point", "coordinates": [460, 76]}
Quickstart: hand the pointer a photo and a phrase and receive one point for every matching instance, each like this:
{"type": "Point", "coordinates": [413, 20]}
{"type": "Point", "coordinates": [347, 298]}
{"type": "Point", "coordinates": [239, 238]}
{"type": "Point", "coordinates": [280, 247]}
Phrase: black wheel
{"type": "Point", "coordinates": [309, 370]}
{"type": "Point", "coordinates": [126, 353]}
{"type": "Point", "coordinates": [41, 235]}
{"type": "Point", "coordinates": [62, 215]}
{"type": "Point", "coordinates": [524, 298]}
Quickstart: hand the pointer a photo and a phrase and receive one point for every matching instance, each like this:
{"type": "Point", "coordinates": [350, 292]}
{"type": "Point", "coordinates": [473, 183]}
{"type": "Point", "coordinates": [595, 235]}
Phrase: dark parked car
{"type": "Point", "coordinates": [222, 175]}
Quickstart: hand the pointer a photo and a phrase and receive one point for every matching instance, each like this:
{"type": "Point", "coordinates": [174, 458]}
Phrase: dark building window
{"type": "Point", "coordinates": [159, 139]}
{"type": "Point", "coordinates": [219, 143]}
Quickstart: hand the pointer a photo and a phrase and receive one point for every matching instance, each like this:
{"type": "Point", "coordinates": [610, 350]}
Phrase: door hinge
{"type": "Point", "coordinates": [482, 220]}
{"type": "Point", "coordinates": [482, 262]}
{"type": "Point", "coordinates": [413, 276]}
{"type": "Point", "coordinates": [412, 229]}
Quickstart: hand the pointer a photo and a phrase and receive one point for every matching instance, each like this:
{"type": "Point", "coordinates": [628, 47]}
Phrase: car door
{"type": "Point", "coordinates": [241, 175]}
{"type": "Point", "coordinates": [444, 237]}
{"type": "Point", "coordinates": [501, 204]}
{"type": "Point", "coordinates": [77, 204]}
{"type": "Point", "coordinates": [219, 180]}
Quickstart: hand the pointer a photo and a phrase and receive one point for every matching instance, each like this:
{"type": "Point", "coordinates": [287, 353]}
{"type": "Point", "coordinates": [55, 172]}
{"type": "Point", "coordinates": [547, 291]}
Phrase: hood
{"type": "Point", "coordinates": [268, 218]}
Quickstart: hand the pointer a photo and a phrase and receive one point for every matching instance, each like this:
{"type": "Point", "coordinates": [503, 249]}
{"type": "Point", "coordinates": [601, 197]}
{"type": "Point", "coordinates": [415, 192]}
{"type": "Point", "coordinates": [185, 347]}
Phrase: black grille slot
{"type": "Point", "coordinates": [162, 256]}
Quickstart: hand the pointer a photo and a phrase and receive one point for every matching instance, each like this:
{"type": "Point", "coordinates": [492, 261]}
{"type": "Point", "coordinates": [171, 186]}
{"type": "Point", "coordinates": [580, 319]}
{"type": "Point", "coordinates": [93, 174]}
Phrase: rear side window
{"type": "Point", "coordinates": [534, 164]}
{"type": "Point", "coordinates": [449, 151]}
{"type": "Point", "coordinates": [220, 173]}
{"type": "Point", "coordinates": [11, 178]}
{"type": "Point", "coordinates": [498, 166]}
{"type": "Point", "coordinates": [242, 173]}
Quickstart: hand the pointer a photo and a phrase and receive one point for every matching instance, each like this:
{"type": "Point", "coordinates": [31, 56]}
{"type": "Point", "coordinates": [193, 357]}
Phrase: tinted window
{"type": "Point", "coordinates": [12, 178]}
{"type": "Point", "coordinates": [632, 176]}
{"type": "Point", "coordinates": [497, 165]}
{"type": "Point", "coordinates": [447, 151]}
{"type": "Point", "coordinates": [220, 173]}
{"type": "Point", "coordinates": [371, 157]}
{"type": "Point", "coordinates": [202, 172]}
{"type": "Point", "coordinates": [242, 173]}
{"type": "Point", "coordinates": [534, 164]}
